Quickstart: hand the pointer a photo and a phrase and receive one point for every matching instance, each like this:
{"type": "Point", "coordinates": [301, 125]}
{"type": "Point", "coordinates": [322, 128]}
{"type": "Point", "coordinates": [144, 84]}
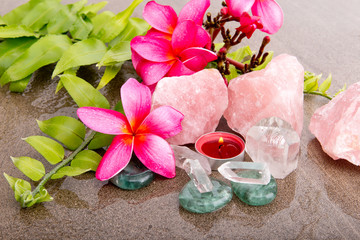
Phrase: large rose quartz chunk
{"type": "Point", "coordinates": [276, 91]}
{"type": "Point", "coordinates": [201, 97]}
{"type": "Point", "coordinates": [337, 125]}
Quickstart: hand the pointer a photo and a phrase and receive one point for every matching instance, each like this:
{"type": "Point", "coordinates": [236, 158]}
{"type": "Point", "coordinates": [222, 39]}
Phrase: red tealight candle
{"type": "Point", "coordinates": [220, 147]}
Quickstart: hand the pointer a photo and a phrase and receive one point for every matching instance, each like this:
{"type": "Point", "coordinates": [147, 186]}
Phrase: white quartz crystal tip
{"type": "Point", "coordinates": [182, 153]}
{"type": "Point", "coordinates": [261, 169]}
{"type": "Point", "coordinates": [198, 175]}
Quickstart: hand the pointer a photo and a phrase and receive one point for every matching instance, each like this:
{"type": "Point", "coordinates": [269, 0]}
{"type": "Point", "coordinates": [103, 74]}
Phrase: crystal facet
{"type": "Point", "coordinates": [276, 90]}
{"type": "Point", "coordinates": [194, 201]}
{"type": "Point", "coordinates": [255, 194]}
{"type": "Point", "coordinates": [275, 142]}
{"type": "Point", "coordinates": [182, 153]}
{"type": "Point", "coordinates": [261, 172]}
{"type": "Point", "coordinates": [198, 175]}
{"type": "Point", "coordinates": [201, 97]}
{"type": "Point", "coordinates": [134, 176]}
{"type": "Point", "coordinates": [337, 127]}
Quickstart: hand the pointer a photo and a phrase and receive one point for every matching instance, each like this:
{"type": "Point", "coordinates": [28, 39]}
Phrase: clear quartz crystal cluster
{"type": "Point", "coordinates": [274, 141]}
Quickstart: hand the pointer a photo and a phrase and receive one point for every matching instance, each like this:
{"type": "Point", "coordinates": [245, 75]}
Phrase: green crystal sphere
{"type": "Point", "coordinates": [134, 176]}
{"type": "Point", "coordinates": [194, 201]}
{"type": "Point", "coordinates": [255, 194]}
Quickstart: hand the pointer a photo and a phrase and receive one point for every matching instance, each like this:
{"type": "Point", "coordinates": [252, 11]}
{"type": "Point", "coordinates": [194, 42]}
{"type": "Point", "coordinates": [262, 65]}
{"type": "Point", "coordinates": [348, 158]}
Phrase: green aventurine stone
{"type": "Point", "coordinates": [255, 194]}
{"type": "Point", "coordinates": [134, 176]}
{"type": "Point", "coordinates": [194, 201]}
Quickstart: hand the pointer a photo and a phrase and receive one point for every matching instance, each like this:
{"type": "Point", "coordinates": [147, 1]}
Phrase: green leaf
{"type": "Point", "coordinates": [46, 50]}
{"type": "Point", "coordinates": [51, 150]}
{"type": "Point", "coordinates": [15, 31]}
{"type": "Point", "coordinates": [240, 54]}
{"type": "Point", "coordinates": [83, 93]}
{"type": "Point", "coordinates": [87, 160]}
{"type": "Point", "coordinates": [118, 23]}
{"type": "Point", "coordinates": [22, 190]}
{"type": "Point", "coordinates": [19, 86]}
{"type": "Point", "coordinates": [17, 14]}
{"type": "Point", "coordinates": [11, 180]}
{"type": "Point", "coordinates": [109, 74]}
{"type": "Point", "coordinates": [32, 168]}
{"type": "Point", "coordinates": [61, 22]}
{"type": "Point", "coordinates": [11, 49]}
{"type": "Point", "coordinates": [20, 187]}
{"type": "Point", "coordinates": [77, 6]}
{"type": "Point", "coordinates": [100, 140]}
{"type": "Point", "coordinates": [311, 84]}
{"type": "Point", "coordinates": [135, 27]}
{"type": "Point", "coordinates": [341, 90]}
{"type": "Point", "coordinates": [71, 71]}
{"type": "Point", "coordinates": [81, 28]}
{"type": "Point", "coordinates": [42, 196]}
{"type": "Point", "coordinates": [41, 14]}
{"type": "Point", "coordinates": [68, 171]}
{"type": "Point", "coordinates": [119, 53]}
{"type": "Point", "coordinates": [66, 130]}
{"type": "Point", "coordinates": [267, 60]}
{"type": "Point", "coordinates": [92, 9]}
{"type": "Point", "coordinates": [99, 21]}
{"type": "Point", "coordinates": [82, 53]}
{"type": "Point", "coordinates": [2, 21]}
{"type": "Point", "coordinates": [324, 86]}
{"type": "Point", "coordinates": [59, 86]}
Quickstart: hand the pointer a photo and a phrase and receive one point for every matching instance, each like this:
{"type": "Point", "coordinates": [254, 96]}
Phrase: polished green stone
{"type": "Point", "coordinates": [134, 176]}
{"type": "Point", "coordinates": [194, 201]}
{"type": "Point", "coordinates": [255, 194]}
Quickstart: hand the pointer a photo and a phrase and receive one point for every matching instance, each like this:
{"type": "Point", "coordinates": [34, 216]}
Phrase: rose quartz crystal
{"type": "Point", "coordinates": [201, 97]}
{"type": "Point", "coordinates": [337, 125]}
{"type": "Point", "coordinates": [276, 91]}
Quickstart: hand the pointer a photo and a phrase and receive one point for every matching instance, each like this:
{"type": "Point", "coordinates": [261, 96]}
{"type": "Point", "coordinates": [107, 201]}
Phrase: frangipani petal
{"type": "Point", "coordinates": [116, 157]}
{"type": "Point", "coordinates": [179, 69]}
{"type": "Point", "coordinates": [135, 58]}
{"type": "Point", "coordinates": [152, 72]}
{"type": "Point", "coordinates": [164, 121]}
{"type": "Point", "coordinates": [136, 101]}
{"type": "Point", "coordinates": [161, 17]}
{"type": "Point", "coordinates": [237, 7]}
{"type": "Point", "coordinates": [155, 153]}
{"type": "Point", "coordinates": [196, 59]}
{"type": "Point", "coordinates": [187, 34]}
{"type": "Point", "coordinates": [194, 10]}
{"type": "Point", "coordinates": [152, 32]}
{"type": "Point", "coordinates": [183, 36]}
{"type": "Point", "coordinates": [104, 120]}
{"type": "Point", "coordinates": [152, 48]}
{"type": "Point", "coordinates": [271, 15]}
{"type": "Point", "coordinates": [202, 38]}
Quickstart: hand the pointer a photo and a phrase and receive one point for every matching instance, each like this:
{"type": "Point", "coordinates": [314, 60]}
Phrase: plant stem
{"type": "Point", "coordinates": [63, 163]}
{"type": "Point", "coordinates": [319, 94]}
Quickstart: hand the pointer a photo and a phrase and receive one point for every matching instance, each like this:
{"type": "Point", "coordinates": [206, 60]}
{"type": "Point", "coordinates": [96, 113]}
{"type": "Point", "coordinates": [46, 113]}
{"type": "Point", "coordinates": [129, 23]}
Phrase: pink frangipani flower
{"type": "Point", "coordinates": [249, 24]}
{"type": "Point", "coordinates": [140, 131]}
{"type": "Point", "coordinates": [174, 46]}
{"type": "Point", "coordinates": [269, 11]}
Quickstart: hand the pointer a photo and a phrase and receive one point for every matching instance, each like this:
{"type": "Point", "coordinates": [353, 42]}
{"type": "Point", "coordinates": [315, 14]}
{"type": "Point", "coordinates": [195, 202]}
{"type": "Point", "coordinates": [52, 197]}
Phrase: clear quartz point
{"type": "Point", "coordinates": [182, 153]}
{"type": "Point", "coordinates": [261, 170]}
{"type": "Point", "coordinates": [198, 175]}
{"type": "Point", "coordinates": [274, 141]}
